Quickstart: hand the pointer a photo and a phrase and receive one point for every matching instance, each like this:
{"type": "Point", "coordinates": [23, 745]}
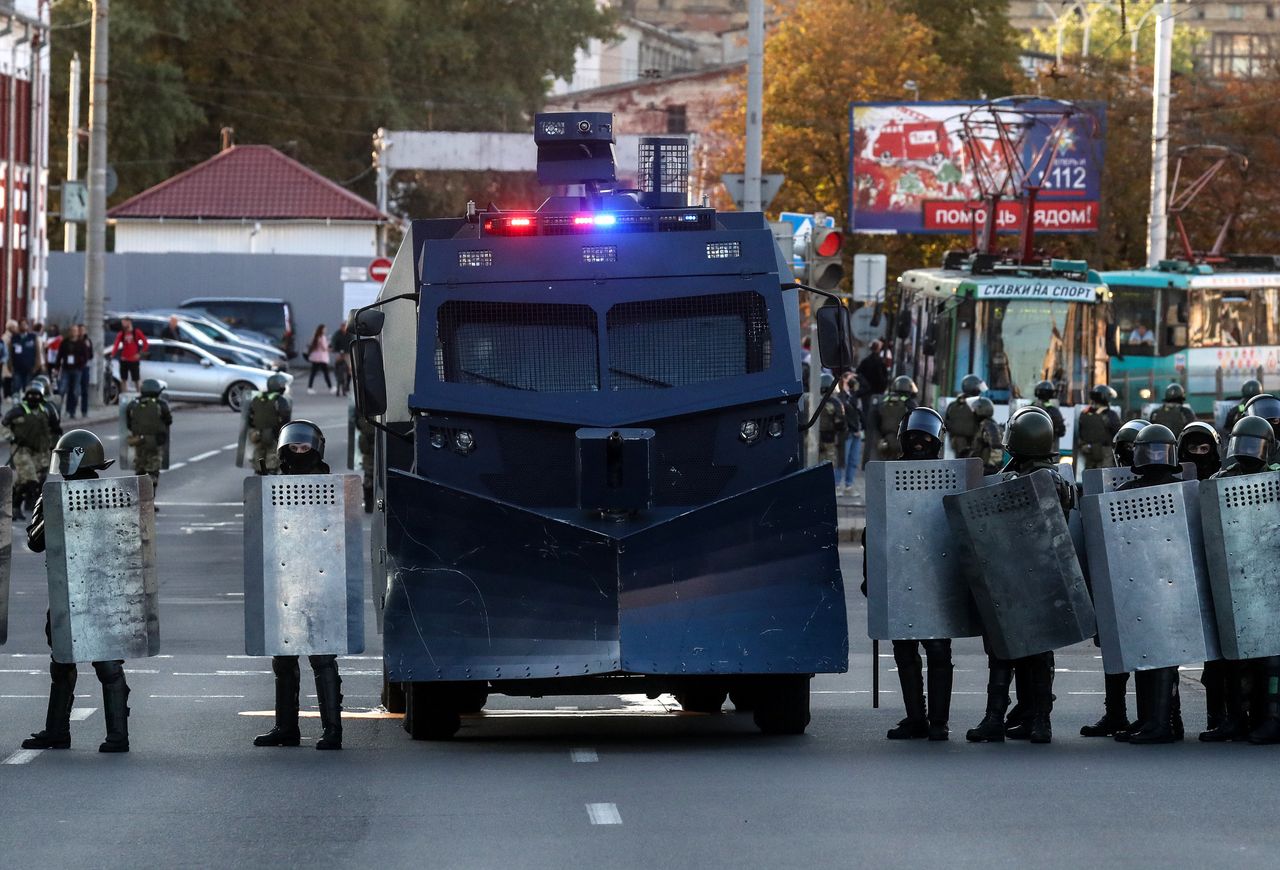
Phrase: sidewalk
{"type": "Point", "coordinates": [851, 513]}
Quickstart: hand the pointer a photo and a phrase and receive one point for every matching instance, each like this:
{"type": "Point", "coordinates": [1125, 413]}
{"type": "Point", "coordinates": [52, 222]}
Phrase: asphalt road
{"type": "Point", "coordinates": [564, 782]}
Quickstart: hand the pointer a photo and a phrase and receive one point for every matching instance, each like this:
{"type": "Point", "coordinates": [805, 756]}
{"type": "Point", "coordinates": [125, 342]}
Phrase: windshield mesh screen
{"type": "Point", "coordinates": [673, 342]}
{"type": "Point", "coordinates": [540, 348]}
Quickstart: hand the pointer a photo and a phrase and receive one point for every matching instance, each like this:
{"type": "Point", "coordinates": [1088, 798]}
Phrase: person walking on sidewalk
{"type": "Point", "coordinates": [129, 346]}
{"type": "Point", "coordinates": [75, 352]}
{"type": "Point", "coordinates": [318, 356]}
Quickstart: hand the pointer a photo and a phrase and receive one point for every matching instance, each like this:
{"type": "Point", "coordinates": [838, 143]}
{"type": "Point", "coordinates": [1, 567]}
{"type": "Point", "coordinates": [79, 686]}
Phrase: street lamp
{"type": "Point", "coordinates": [910, 85]}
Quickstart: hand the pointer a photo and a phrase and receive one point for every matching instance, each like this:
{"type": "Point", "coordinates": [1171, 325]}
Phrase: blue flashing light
{"type": "Point", "coordinates": [605, 220]}
{"type": "Point", "coordinates": [688, 217]}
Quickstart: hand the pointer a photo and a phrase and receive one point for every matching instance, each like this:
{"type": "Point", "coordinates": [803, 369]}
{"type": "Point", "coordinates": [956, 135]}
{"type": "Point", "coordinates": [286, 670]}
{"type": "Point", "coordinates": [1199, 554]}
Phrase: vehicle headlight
{"type": "Point", "coordinates": [464, 441]}
{"type": "Point", "coordinates": [749, 431]}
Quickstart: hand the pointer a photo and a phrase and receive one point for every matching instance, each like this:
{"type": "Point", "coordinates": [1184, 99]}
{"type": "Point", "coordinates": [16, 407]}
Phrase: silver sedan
{"type": "Point", "coordinates": [192, 374]}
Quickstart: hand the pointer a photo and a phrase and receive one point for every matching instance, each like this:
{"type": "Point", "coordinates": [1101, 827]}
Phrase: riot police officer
{"type": "Point", "coordinates": [1047, 400]}
{"type": "Point", "coordinates": [300, 450]}
{"type": "Point", "coordinates": [1096, 427]}
{"type": "Point", "coordinates": [1122, 444]}
{"type": "Point", "coordinates": [1249, 451]}
{"type": "Point", "coordinates": [920, 434]}
{"type": "Point", "coordinates": [1248, 390]}
{"type": "Point", "coordinates": [889, 413]}
{"type": "Point", "coordinates": [831, 422]}
{"type": "Point", "coordinates": [269, 411]}
{"type": "Point", "coordinates": [1155, 461]}
{"type": "Point", "coordinates": [1267, 407]}
{"type": "Point", "coordinates": [77, 456]}
{"type": "Point", "coordinates": [1029, 440]}
{"type": "Point", "coordinates": [987, 444]}
{"type": "Point", "coordinates": [33, 425]}
{"type": "Point", "coordinates": [1199, 444]}
{"type": "Point", "coordinates": [961, 425]}
{"type": "Point", "coordinates": [149, 419]}
{"type": "Point", "coordinates": [1173, 413]}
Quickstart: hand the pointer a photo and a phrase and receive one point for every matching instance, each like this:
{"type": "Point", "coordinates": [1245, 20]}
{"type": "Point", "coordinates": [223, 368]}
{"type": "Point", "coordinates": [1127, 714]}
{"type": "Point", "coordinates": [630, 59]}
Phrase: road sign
{"type": "Point", "coordinates": [783, 233]}
{"type": "Point", "coordinates": [379, 269]}
{"type": "Point", "coordinates": [736, 184]}
{"type": "Point", "coordinates": [75, 201]}
{"type": "Point", "coordinates": [864, 331]}
{"type": "Point", "coordinates": [869, 273]}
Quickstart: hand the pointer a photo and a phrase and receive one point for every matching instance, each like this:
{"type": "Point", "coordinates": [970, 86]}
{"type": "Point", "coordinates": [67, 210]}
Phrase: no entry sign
{"type": "Point", "coordinates": [379, 269]}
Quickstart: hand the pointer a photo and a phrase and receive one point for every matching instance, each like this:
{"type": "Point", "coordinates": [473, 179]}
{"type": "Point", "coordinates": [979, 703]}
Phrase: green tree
{"type": "Point", "coordinates": [974, 37]}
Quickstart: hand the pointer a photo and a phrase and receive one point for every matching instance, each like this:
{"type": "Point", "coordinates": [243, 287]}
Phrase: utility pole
{"type": "Point", "coordinates": [73, 147]}
{"type": "Point", "coordinates": [96, 232]}
{"type": "Point", "coordinates": [755, 105]}
{"type": "Point", "coordinates": [1157, 222]}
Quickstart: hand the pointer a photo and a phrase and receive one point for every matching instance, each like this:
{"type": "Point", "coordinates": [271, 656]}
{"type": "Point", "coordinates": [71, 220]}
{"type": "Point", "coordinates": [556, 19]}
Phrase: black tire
{"type": "Point", "coordinates": [708, 700]}
{"type": "Point", "coordinates": [472, 698]}
{"type": "Point", "coordinates": [782, 704]}
{"type": "Point", "coordinates": [237, 393]}
{"type": "Point", "coordinates": [744, 700]}
{"type": "Point", "coordinates": [430, 712]}
{"type": "Point", "coordinates": [393, 695]}
{"type": "Point", "coordinates": [110, 390]}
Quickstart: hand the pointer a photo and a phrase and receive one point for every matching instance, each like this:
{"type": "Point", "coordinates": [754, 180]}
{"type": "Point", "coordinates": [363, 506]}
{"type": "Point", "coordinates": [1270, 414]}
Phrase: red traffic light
{"type": "Point", "coordinates": [827, 242]}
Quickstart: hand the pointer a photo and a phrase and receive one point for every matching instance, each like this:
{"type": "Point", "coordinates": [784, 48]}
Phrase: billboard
{"type": "Point", "coordinates": [916, 167]}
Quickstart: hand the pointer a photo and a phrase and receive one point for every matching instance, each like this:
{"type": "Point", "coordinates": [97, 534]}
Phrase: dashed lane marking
{"type": "Point", "coordinates": [193, 697]}
{"type": "Point", "coordinates": [201, 457]}
{"type": "Point", "coordinates": [604, 814]}
{"type": "Point", "coordinates": [174, 466]}
{"type": "Point", "coordinates": [79, 714]}
{"type": "Point", "coordinates": [229, 446]}
{"type": "Point", "coordinates": [22, 756]}
{"type": "Point", "coordinates": [583, 756]}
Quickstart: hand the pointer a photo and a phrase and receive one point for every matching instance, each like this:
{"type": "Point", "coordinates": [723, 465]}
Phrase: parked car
{"type": "Point", "coordinates": [152, 326]}
{"type": "Point", "coordinates": [273, 317]}
{"type": "Point", "coordinates": [192, 374]}
{"type": "Point", "coordinates": [216, 330]}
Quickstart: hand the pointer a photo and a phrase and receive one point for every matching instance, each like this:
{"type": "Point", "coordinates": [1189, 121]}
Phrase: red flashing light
{"type": "Point", "coordinates": [521, 222]}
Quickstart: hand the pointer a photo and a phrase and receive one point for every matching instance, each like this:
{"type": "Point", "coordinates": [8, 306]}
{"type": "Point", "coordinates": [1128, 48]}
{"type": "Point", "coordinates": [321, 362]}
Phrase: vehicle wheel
{"type": "Point", "coordinates": [702, 700]}
{"type": "Point", "coordinates": [237, 394]}
{"type": "Point", "coordinates": [782, 704]}
{"type": "Point", "coordinates": [110, 391]}
{"type": "Point", "coordinates": [430, 712]}
{"type": "Point", "coordinates": [744, 700]}
{"type": "Point", "coordinates": [472, 698]}
{"type": "Point", "coordinates": [393, 696]}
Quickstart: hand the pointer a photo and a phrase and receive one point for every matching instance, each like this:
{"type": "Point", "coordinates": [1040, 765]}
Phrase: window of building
{"type": "Point", "coordinates": [677, 119]}
{"type": "Point", "coordinates": [1241, 54]}
{"type": "Point", "coordinates": [1235, 12]}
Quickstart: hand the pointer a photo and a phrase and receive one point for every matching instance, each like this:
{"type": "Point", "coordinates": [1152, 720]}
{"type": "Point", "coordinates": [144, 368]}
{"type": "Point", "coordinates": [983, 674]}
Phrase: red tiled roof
{"type": "Point", "coordinates": [248, 181]}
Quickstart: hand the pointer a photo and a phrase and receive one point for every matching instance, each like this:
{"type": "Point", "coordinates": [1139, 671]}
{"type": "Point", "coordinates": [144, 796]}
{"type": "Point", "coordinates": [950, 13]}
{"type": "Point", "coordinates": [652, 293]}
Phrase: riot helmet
{"type": "Point", "coordinates": [972, 385]}
{"type": "Point", "coordinates": [77, 452]}
{"type": "Point", "coordinates": [43, 382]}
{"type": "Point", "coordinates": [1174, 394]}
{"type": "Point", "coordinates": [903, 385]}
{"type": "Point", "coordinates": [34, 393]}
{"type": "Point", "coordinates": [1029, 434]}
{"type": "Point", "coordinates": [920, 434]}
{"type": "Point", "coordinates": [982, 407]}
{"type": "Point", "coordinates": [152, 388]}
{"type": "Point", "coordinates": [1155, 449]}
{"type": "Point", "coordinates": [1045, 391]}
{"type": "Point", "coordinates": [1251, 442]}
{"type": "Point", "coordinates": [300, 447]}
{"type": "Point", "coordinates": [1267, 407]}
{"type": "Point", "coordinates": [1122, 444]}
{"type": "Point", "coordinates": [825, 380]}
{"type": "Point", "coordinates": [1250, 388]}
{"type": "Point", "coordinates": [1102, 395]}
{"type": "Point", "coordinates": [1198, 443]}
{"type": "Point", "coordinates": [277, 383]}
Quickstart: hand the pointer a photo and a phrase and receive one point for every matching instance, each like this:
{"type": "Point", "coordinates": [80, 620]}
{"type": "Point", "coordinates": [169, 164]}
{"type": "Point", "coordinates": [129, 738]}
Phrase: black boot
{"type": "Point", "coordinates": [991, 728]}
{"type": "Point", "coordinates": [57, 721]}
{"type": "Point", "coordinates": [1158, 686]}
{"type": "Point", "coordinates": [1021, 701]}
{"type": "Point", "coordinates": [1268, 728]}
{"type": "Point", "coordinates": [285, 731]}
{"type": "Point", "coordinates": [1214, 679]}
{"type": "Point", "coordinates": [115, 705]}
{"type": "Point", "coordinates": [1040, 671]}
{"type": "Point", "coordinates": [17, 504]}
{"type": "Point", "coordinates": [916, 725]}
{"type": "Point", "coordinates": [938, 653]}
{"type": "Point", "coordinates": [329, 698]}
{"type": "Point", "coordinates": [1232, 723]}
{"type": "Point", "coordinates": [1175, 708]}
{"type": "Point", "coordinates": [1115, 719]}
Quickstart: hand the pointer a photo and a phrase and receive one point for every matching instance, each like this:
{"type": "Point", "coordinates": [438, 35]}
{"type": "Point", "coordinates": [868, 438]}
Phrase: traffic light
{"type": "Point", "coordinates": [826, 267]}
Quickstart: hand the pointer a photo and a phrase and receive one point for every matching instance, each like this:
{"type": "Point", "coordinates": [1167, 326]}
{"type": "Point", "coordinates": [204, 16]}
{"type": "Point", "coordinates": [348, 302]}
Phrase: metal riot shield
{"type": "Point", "coordinates": [1099, 480]}
{"type": "Point", "coordinates": [1150, 584]}
{"type": "Point", "coordinates": [101, 558]}
{"type": "Point", "coordinates": [1241, 520]}
{"type": "Point", "coordinates": [242, 440]}
{"type": "Point", "coordinates": [6, 550]}
{"type": "Point", "coordinates": [303, 565]}
{"type": "Point", "coordinates": [1025, 577]}
{"type": "Point", "coordinates": [915, 586]}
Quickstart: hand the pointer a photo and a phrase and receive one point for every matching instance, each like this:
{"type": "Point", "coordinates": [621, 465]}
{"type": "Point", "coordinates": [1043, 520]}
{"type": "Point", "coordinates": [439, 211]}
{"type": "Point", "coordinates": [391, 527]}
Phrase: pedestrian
{"type": "Point", "coordinates": [52, 341]}
{"type": "Point", "coordinates": [149, 419]}
{"type": "Point", "coordinates": [171, 332]}
{"type": "Point", "coordinates": [852, 451]}
{"type": "Point", "coordinates": [341, 347]}
{"type": "Point", "coordinates": [318, 356]}
{"type": "Point", "coordinates": [24, 356]}
{"type": "Point", "coordinates": [129, 346]}
{"type": "Point", "coordinates": [873, 377]}
{"type": "Point", "coordinates": [32, 425]}
{"type": "Point", "coordinates": [300, 450]}
{"type": "Point", "coordinates": [10, 330]}
{"type": "Point", "coordinates": [77, 456]}
{"type": "Point", "coordinates": [75, 355]}
{"type": "Point", "coordinates": [269, 412]}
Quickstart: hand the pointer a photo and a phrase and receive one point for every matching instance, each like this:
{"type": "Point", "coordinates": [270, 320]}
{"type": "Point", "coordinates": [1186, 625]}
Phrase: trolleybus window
{"type": "Point", "coordinates": [1234, 318]}
{"type": "Point", "coordinates": [1028, 341]}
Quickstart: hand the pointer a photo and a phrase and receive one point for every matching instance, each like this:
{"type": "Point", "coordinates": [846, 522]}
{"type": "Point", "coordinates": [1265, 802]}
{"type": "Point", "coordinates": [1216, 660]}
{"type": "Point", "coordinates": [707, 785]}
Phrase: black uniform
{"type": "Point", "coordinates": [962, 426]}
{"type": "Point", "coordinates": [1095, 430]}
{"type": "Point", "coordinates": [1055, 414]}
{"type": "Point", "coordinates": [987, 446]}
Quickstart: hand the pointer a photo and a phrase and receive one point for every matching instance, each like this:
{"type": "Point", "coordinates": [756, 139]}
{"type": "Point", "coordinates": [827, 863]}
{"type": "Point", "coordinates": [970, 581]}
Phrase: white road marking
{"type": "Point", "coordinates": [584, 756]}
{"type": "Point", "coordinates": [229, 446]}
{"type": "Point", "coordinates": [113, 437]}
{"type": "Point", "coordinates": [79, 714]}
{"type": "Point", "coordinates": [173, 466]}
{"type": "Point", "coordinates": [196, 697]}
{"type": "Point", "coordinates": [604, 814]}
{"type": "Point", "coordinates": [565, 709]}
{"type": "Point", "coordinates": [140, 671]}
{"type": "Point", "coordinates": [219, 673]}
{"type": "Point", "coordinates": [22, 756]}
{"type": "Point", "coordinates": [235, 595]}
{"type": "Point", "coordinates": [26, 671]}
{"type": "Point", "coordinates": [343, 658]}
{"type": "Point", "coordinates": [200, 457]}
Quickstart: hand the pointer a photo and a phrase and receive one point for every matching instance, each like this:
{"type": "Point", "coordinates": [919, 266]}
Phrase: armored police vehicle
{"type": "Point", "coordinates": [588, 473]}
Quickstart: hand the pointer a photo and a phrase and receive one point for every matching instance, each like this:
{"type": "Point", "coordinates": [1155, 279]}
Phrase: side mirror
{"type": "Point", "coordinates": [1111, 340]}
{"type": "Point", "coordinates": [368, 375]}
{"type": "Point", "coordinates": [904, 324]}
{"type": "Point", "coordinates": [368, 323]}
{"type": "Point", "coordinates": [835, 336]}
{"type": "Point", "coordinates": [207, 363]}
{"type": "Point", "coordinates": [930, 345]}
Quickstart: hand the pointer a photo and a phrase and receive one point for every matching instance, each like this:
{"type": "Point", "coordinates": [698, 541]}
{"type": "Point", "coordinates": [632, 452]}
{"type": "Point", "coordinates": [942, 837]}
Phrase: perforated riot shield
{"type": "Point", "coordinates": [6, 550]}
{"type": "Point", "coordinates": [303, 565]}
{"type": "Point", "coordinates": [915, 586]}
{"type": "Point", "coordinates": [1099, 480]}
{"type": "Point", "coordinates": [101, 559]}
{"type": "Point", "coordinates": [242, 440]}
{"type": "Point", "coordinates": [1241, 521]}
{"type": "Point", "coordinates": [1025, 577]}
{"type": "Point", "coordinates": [1150, 584]}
